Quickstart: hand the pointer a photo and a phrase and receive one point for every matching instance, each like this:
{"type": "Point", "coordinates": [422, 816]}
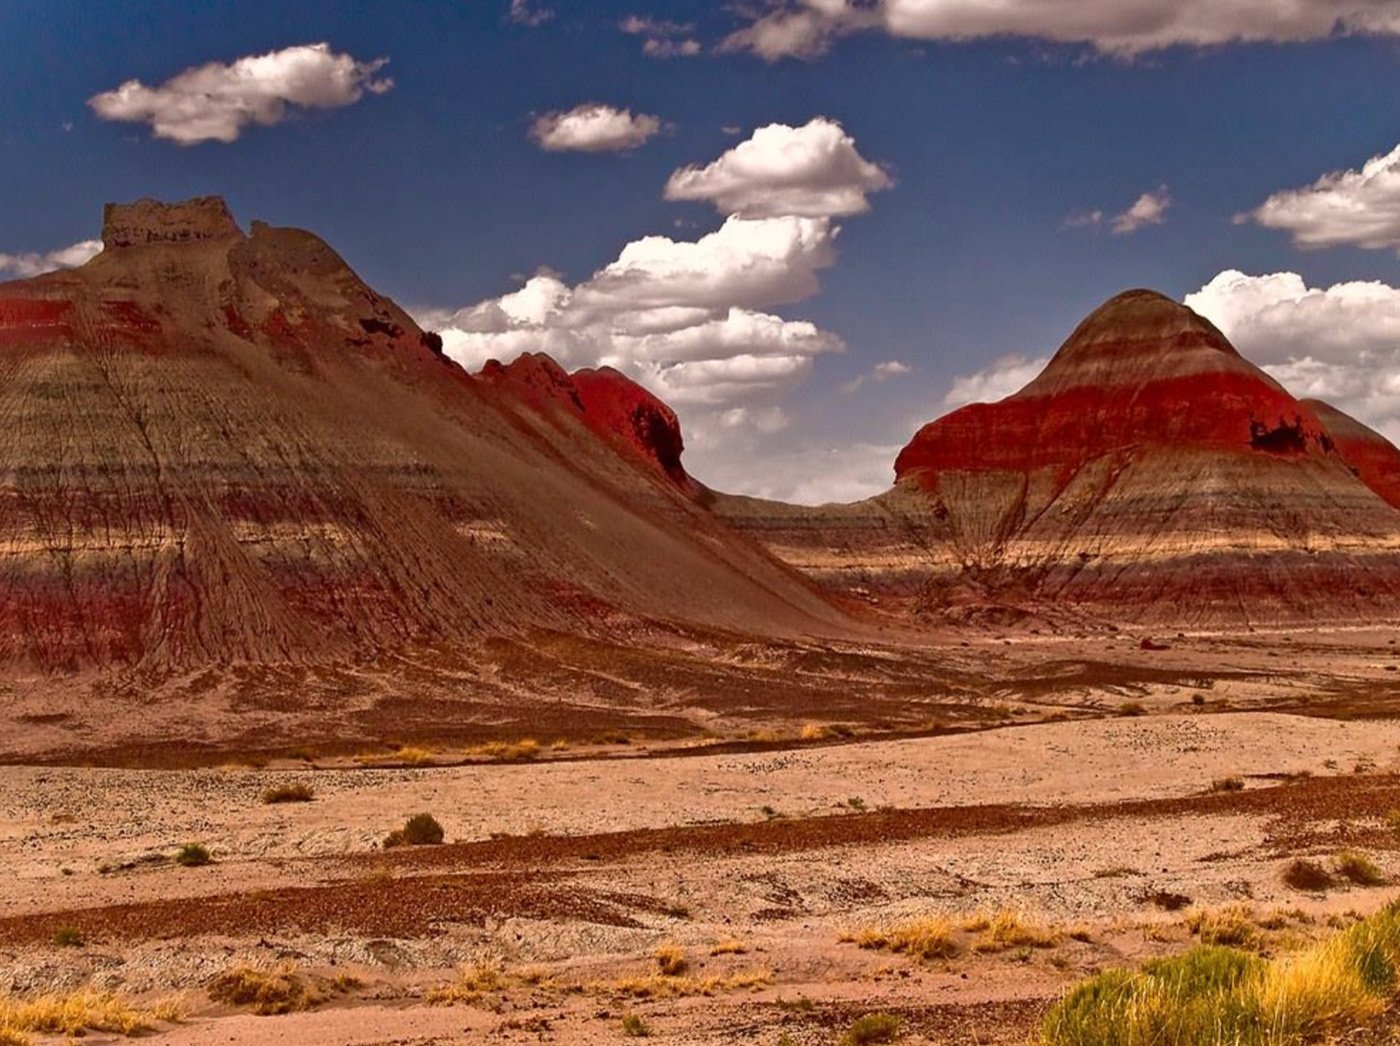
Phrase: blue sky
{"type": "Point", "coordinates": [998, 151]}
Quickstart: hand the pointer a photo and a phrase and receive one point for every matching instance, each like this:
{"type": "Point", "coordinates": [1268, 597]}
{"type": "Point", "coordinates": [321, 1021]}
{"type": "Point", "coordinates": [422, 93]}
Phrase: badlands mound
{"type": "Point", "coordinates": [226, 448]}
{"type": "Point", "coordinates": [1148, 474]}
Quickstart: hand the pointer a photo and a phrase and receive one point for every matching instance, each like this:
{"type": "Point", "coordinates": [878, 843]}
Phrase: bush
{"type": "Point", "coordinates": [1227, 784]}
{"type": "Point", "coordinates": [418, 830]}
{"type": "Point", "coordinates": [193, 855]}
{"type": "Point", "coordinates": [873, 1027]}
{"type": "Point", "coordinates": [671, 961]}
{"type": "Point", "coordinates": [280, 989]}
{"type": "Point", "coordinates": [1233, 926]}
{"type": "Point", "coordinates": [289, 793]}
{"type": "Point", "coordinates": [1359, 868]}
{"type": "Point", "coordinates": [634, 1027]}
{"type": "Point", "coordinates": [68, 937]}
{"type": "Point", "coordinates": [1308, 875]}
{"type": "Point", "coordinates": [926, 939]}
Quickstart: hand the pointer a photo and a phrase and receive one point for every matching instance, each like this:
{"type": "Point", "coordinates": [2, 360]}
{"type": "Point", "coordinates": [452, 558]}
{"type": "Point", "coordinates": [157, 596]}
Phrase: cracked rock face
{"type": "Point", "coordinates": [1148, 474]}
{"type": "Point", "coordinates": [226, 448]}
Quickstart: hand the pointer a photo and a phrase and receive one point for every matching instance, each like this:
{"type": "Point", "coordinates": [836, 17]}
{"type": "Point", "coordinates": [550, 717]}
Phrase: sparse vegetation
{"type": "Point", "coordinates": [471, 984]}
{"type": "Point", "coordinates": [659, 986]}
{"type": "Point", "coordinates": [77, 1013]}
{"type": "Point", "coordinates": [1227, 784]}
{"type": "Point", "coordinates": [193, 855]}
{"type": "Point", "coordinates": [927, 939]}
{"type": "Point", "coordinates": [1011, 929]}
{"type": "Point", "coordinates": [1132, 708]}
{"type": "Point", "coordinates": [299, 792]}
{"type": "Point", "coordinates": [729, 946]}
{"type": "Point", "coordinates": [671, 960]}
{"type": "Point", "coordinates": [1310, 876]}
{"type": "Point", "coordinates": [872, 1028]}
{"type": "Point", "coordinates": [522, 751]}
{"type": "Point", "coordinates": [1232, 926]}
{"type": "Point", "coordinates": [418, 830]}
{"type": "Point", "coordinates": [1219, 995]}
{"type": "Point", "coordinates": [268, 990]}
{"type": "Point", "coordinates": [634, 1027]}
{"type": "Point", "coordinates": [68, 937]}
{"type": "Point", "coordinates": [1358, 868]}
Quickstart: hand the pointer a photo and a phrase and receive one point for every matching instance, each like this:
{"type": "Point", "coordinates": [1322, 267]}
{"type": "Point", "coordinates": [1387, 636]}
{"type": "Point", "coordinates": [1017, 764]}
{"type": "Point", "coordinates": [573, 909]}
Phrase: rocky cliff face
{"type": "Point", "coordinates": [227, 448]}
{"type": "Point", "coordinates": [1150, 473]}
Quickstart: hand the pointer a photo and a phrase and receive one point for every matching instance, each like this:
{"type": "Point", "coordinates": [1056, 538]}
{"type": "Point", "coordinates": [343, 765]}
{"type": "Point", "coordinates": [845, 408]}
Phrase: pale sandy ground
{"type": "Point", "coordinates": [789, 909]}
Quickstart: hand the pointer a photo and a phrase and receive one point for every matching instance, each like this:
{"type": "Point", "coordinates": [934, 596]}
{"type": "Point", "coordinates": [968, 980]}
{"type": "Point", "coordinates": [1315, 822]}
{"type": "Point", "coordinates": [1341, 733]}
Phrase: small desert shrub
{"type": "Point", "coordinates": [289, 793]}
{"type": "Point", "coordinates": [418, 830]}
{"type": "Point", "coordinates": [659, 986]}
{"type": "Point", "coordinates": [1359, 868]}
{"type": "Point", "coordinates": [413, 756]}
{"type": "Point", "coordinates": [816, 732]}
{"type": "Point", "coordinates": [927, 939]}
{"type": "Point", "coordinates": [671, 960]}
{"type": "Point", "coordinates": [193, 855]}
{"type": "Point", "coordinates": [522, 751]}
{"type": "Point", "coordinates": [68, 937]}
{"type": "Point", "coordinates": [1132, 708]}
{"type": "Point", "coordinates": [1227, 784]}
{"type": "Point", "coordinates": [1009, 929]}
{"type": "Point", "coordinates": [280, 989]}
{"type": "Point", "coordinates": [1308, 875]}
{"type": "Point", "coordinates": [1232, 926]}
{"type": "Point", "coordinates": [471, 984]}
{"type": "Point", "coordinates": [75, 1014]}
{"type": "Point", "coordinates": [1169, 901]}
{"type": "Point", "coordinates": [872, 1028]}
{"type": "Point", "coordinates": [729, 946]}
{"type": "Point", "coordinates": [634, 1027]}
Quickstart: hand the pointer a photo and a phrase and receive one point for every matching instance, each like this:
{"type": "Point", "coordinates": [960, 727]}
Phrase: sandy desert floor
{"type": "Point", "coordinates": [1093, 819]}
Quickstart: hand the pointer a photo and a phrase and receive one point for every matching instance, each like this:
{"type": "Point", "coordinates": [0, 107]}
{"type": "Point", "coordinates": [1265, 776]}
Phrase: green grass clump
{"type": "Point", "coordinates": [872, 1028]}
{"type": "Point", "coordinates": [1215, 995]}
{"type": "Point", "coordinates": [418, 830]}
{"type": "Point", "coordinates": [1360, 869]}
{"type": "Point", "coordinates": [193, 855]}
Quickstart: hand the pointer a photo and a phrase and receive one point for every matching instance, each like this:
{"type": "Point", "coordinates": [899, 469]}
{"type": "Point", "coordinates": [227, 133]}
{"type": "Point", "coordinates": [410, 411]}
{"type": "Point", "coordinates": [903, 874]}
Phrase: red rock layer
{"type": "Point", "coordinates": [1372, 457]}
{"type": "Point", "coordinates": [227, 448]}
{"type": "Point", "coordinates": [1150, 473]}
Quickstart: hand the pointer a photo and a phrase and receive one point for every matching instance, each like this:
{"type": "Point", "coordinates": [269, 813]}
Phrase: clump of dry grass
{"type": "Point", "coordinates": [659, 986]}
{"type": "Point", "coordinates": [300, 792]}
{"type": "Point", "coordinates": [729, 946]}
{"type": "Point", "coordinates": [1233, 926]}
{"type": "Point", "coordinates": [1358, 868]}
{"type": "Point", "coordinates": [268, 990]}
{"type": "Point", "coordinates": [927, 939]}
{"type": "Point", "coordinates": [1227, 784]}
{"type": "Point", "coordinates": [76, 1013]}
{"type": "Point", "coordinates": [471, 984]}
{"type": "Point", "coordinates": [1309, 876]}
{"type": "Point", "coordinates": [522, 751]}
{"type": "Point", "coordinates": [671, 960]}
{"type": "Point", "coordinates": [872, 1028]}
{"type": "Point", "coordinates": [1012, 929]}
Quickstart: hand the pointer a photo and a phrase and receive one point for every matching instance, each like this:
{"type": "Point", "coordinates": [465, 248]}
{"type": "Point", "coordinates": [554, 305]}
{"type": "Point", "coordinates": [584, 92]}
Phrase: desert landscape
{"type": "Point", "coordinates": [379, 673]}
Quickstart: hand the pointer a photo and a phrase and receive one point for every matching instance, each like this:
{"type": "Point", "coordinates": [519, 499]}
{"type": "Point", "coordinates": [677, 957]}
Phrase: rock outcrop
{"type": "Point", "coordinates": [1150, 474]}
{"type": "Point", "coordinates": [226, 448]}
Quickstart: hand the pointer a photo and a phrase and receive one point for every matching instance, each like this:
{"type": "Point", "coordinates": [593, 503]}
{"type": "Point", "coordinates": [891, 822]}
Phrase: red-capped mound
{"type": "Point", "coordinates": [226, 448]}
{"type": "Point", "coordinates": [606, 402]}
{"type": "Point", "coordinates": [1141, 370]}
{"type": "Point", "coordinates": [1373, 458]}
{"type": "Point", "coordinates": [1150, 473]}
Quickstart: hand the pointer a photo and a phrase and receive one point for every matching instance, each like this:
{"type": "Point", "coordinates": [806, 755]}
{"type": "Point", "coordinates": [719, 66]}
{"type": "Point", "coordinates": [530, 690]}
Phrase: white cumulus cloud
{"type": "Point", "coordinates": [32, 263]}
{"type": "Point", "coordinates": [1339, 343]}
{"type": "Point", "coordinates": [1360, 208]}
{"type": "Point", "coordinates": [693, 319]}
{"type": "Point", "coordinates": [1148, 209]}
{"type": "Point", "coordinates": [1003, 377]}
{"type": "Point", "coordinates": [215, 102]}
{"type": "Point", "coordinates": [594, 128]}
{"type": "Point", "coordinates": [1121, 28]}
{"type": "Point", "coordinates": [813, 171]}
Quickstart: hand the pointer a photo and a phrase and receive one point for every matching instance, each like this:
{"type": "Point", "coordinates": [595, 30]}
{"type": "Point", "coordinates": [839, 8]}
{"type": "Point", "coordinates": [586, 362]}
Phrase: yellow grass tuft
{"type": "Point", "coordinates": [671, 960]}
{"type": "Point", "coordinates": [729, 946]}
{"type": "Point", "coordinates": [1009, 929]}
{"type": "Point", "coordinates": [926, 939]}
{"type": "Point", "coordinates": [659, 986]}
{"type": "Point", "coordinates": [471, 984]}
{"type": "Point", "coordinates": [1216, 995]}
{"type": "Point", "coordinates": [268, 990]}
{"type": "Point", "coordinates": [77, 1013]}
{"type": "Point", "coordinates": [522, 751]}
{"type": "Point", "coordinates": [1233, 926]}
